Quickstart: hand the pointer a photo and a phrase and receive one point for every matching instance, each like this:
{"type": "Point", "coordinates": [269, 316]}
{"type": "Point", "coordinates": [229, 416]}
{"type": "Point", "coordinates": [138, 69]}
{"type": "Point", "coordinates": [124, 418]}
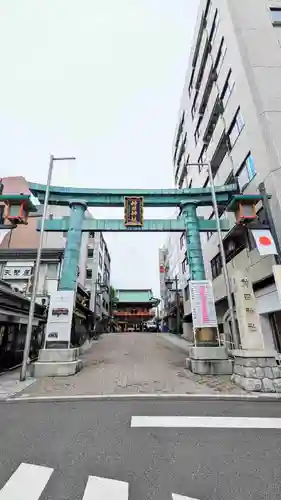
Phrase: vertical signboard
{"type": "Point", "coordinates": [59, 322]}
{"type": "Point", "coordinates": [133, 211]}
{"type": "Point", "coordinates": [247, 316]}
{"type": "Point", "coordinates": [202, 304]}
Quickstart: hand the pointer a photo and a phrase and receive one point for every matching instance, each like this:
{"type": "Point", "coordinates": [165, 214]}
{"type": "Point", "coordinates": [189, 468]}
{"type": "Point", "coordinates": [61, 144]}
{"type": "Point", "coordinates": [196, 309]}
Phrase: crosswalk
{"type": "Point", "coordinates": [29, 481]}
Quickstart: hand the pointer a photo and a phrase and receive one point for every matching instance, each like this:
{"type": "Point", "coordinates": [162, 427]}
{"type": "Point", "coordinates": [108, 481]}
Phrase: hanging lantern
{"type": "Point", "coordinates": [244, 207]}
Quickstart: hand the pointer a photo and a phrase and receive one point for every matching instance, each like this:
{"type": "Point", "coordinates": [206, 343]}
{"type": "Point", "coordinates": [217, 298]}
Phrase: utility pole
{"type": "Point", "coordinates": [178, 304]}
{"type": "Point", "coordinates": [230, 300]}
{"type": "Point", "coordinates": [37, 268]}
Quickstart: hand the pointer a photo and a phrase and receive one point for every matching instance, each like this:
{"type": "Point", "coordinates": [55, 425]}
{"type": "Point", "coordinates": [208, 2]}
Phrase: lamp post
{"type": "Point", "coordinates": [37, 266]}
{"type": "Point", "coordinates": [169, 283]}
{"type": "Point", "coordinates": [230, 300]}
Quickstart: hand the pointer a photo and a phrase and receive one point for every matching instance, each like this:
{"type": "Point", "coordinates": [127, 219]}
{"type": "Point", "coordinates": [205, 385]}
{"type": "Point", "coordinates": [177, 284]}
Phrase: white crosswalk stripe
{"type": "Point", "coordinates": [207, 422]}
{"type": "Point", "coordinates": [26, 483]}
{"type": "Point", "coordinates": [180, 497]}
{"type": "Point", "coordinates": [100, 488]}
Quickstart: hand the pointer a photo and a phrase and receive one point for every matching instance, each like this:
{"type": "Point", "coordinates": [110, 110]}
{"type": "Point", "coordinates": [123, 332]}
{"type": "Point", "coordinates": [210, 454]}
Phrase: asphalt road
{"type": "Point", "coordinates": [82, 439]}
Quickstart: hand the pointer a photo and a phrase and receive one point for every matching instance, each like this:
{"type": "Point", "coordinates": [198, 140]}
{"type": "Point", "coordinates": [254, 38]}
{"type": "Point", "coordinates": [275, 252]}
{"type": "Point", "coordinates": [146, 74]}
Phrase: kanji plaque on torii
{"type": "Point", "coordinates": [133, 211]}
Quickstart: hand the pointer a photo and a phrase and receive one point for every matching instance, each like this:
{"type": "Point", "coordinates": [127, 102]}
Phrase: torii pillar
{"type": "Point", "coordinates": [58, 358]}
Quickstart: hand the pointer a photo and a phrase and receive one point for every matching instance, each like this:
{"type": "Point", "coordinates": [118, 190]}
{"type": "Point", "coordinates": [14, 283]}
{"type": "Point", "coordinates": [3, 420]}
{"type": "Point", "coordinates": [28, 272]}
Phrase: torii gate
{"type": "Point", "coordinates": [58, 358]}
{"type": "Point", "coordinates": [188, 200]}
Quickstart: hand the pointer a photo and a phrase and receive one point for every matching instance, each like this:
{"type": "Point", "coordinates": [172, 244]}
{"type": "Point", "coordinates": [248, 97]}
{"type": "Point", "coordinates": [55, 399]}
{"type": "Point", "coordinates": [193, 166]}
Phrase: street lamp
{"type": "Point", "coordinates": [37, 266]}
{"type": "Point", "coordinates": [169, 283]}
{"type": "Point", "coordinates": [222, 252]}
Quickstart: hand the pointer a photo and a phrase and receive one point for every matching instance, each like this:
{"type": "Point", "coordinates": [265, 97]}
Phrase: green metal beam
{"type": "Point", "coordinates": [60, 195]}
{"type": "Point", "coordinates": [117, 225]}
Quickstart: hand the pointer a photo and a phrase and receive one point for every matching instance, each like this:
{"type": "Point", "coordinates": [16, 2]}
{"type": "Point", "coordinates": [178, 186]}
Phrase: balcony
{"type": "Point", "coordinates": [210, 18]}
{"type": "Point", "coordinates": [216, 43]}
{"type": "Point", "coordinates": [223, 171]}
{"type": "Point", "coordinates": [180, 150]}
{"type": "Point", "coordinates": [211, 112]}
{"type": "Point", "coordinates": [200, 59]}
{"type": "Point", "coordinates": [223, 74]}
{"type": "Point", "coordinates": [206, 86]}
{"type": "Point", "coordinates": [217, 147]}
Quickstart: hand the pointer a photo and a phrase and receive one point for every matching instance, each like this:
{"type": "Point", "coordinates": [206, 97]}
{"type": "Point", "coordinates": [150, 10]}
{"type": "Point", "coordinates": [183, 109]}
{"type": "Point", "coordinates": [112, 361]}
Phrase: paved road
{"type": "Point", "coordinates": [75, 440]}
{"type": "Point", "coordinates": [127, 363]}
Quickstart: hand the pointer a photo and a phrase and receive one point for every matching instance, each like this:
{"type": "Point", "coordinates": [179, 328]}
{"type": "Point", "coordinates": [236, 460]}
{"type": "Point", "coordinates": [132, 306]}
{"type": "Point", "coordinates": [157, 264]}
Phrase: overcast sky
{"type": "Point", "coordinates": [100, 80]}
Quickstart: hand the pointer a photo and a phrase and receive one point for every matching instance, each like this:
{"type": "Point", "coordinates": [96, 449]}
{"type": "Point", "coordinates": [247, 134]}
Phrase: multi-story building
{"type": "Point", "coordinates": [172, 266]}
{"type": "Point", "coordinates": [230, 117]}
{"type": "Point", "coordinates": [18, 249]}
{"type": "Point", "coordinates": [98, 272]}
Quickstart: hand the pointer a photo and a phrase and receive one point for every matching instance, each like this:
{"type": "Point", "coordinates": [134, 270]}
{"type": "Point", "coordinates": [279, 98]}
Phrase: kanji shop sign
{"type": "Point", "coordinates": [133, 211]}
{"type": "Point", "coordinates": [17, 272]}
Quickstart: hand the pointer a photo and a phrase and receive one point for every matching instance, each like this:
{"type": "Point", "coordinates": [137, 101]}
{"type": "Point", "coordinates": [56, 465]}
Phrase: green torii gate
{"type": "Point", "coordinates": [80, 198]}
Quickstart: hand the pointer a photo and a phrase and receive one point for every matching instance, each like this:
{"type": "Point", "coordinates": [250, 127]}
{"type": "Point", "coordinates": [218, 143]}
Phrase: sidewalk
{"type": "Point", "coordinates": [10, 384]}
{"type": "Point", "coordinates": [133, 363]}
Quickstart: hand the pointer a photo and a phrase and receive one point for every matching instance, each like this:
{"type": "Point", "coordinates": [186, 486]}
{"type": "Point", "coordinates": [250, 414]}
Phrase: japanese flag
{"type": "Point", "coordinates": [264, 241]}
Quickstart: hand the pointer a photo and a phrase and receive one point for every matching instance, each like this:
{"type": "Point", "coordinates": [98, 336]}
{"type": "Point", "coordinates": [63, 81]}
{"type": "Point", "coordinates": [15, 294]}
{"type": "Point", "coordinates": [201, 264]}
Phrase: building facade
{"type": "Point", "coordinates": [230, 117]}
{"type": "Point", "coordinates": [18, 249]}
{"type": "Point", "coordinates": [98, 272]}
{"type": "Point", "coordinates": [172, 266]}
{"type": "Point", "coordinates": [133, 308]}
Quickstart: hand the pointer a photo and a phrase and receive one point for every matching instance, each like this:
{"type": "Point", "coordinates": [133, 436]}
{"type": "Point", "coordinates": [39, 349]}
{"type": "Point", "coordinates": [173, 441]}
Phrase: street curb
{"type": "Point", "coordinates": [145, 397]}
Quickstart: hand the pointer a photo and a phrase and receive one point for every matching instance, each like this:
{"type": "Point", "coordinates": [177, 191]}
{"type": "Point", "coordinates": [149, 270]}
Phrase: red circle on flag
{"type": "Point", "coordinates": [265, 240]}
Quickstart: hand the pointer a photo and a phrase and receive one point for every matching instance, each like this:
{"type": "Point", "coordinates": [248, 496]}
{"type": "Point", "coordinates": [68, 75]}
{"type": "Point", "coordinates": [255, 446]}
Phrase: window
{"type": "Point", "coordinates": [182, 241]}
{"type": "Point", "coordinates": [100, 260]}
{"type": "Point", "coordinates": [210, 233]}
{"type": "Point", "coordinates": [186, 293]}
{"type": "Point", "coordinates": [207, 10]}
{"type": "Point", "coordinates": [89, 274]}
{"type": "Point", "coordinates": [91, 235]}
{"type": "Point", "coordinates": [90, 252]}
{"type": "Point", "coordinates": [246, 172]}
{"type": "Point", "coordinates": [207, 182]}
{"type": "Point", "coordinates": [202, 158]}
{"type": "Point", "coordinates": [194, 106]}
{"type": "Point", "coordinates": [228, 87]}
{"type": "Point", "coordinates": [52, 271]}
{"type": "Point", "coordinates": [220, 56]}
{"type": "Point", "coordinates": [190, 87]}
{"type": "Point", "coordinates": [99, 278]}
{"type": "Point", "coordinates": [197, 131]}
{"type": "Point", "coordinates": [234, 245]}
{"type": "Point", "coordinates": [276, 16]}
{"type": "Point", "coordinates": [216, 266]}
{"type": "Point", "coordinates": [183, 266]}
{"type": "Point", "coordinates": [236, 128]}
{"type": "Point", "coordinates": [230, 179]}
{"type": "Point", "coordinates": [214, 26]}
